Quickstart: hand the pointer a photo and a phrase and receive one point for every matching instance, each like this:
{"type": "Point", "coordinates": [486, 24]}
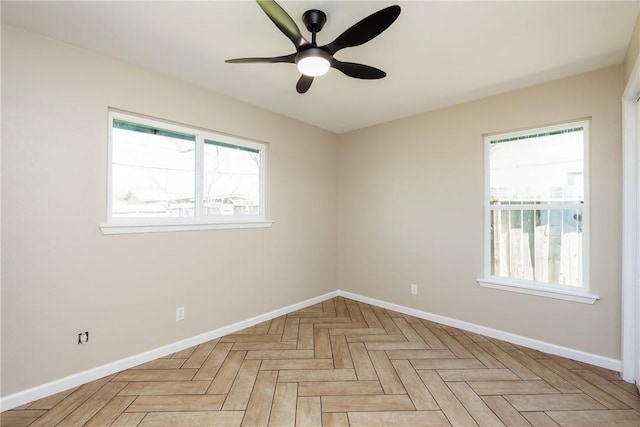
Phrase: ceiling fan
{"type": "Point", "coordinates": [313, 60]}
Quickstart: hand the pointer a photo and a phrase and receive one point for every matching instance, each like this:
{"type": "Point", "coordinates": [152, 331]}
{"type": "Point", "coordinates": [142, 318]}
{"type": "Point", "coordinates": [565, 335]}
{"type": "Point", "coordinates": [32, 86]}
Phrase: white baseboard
{"type": "Point", "coordinates": [53, 387]}
{"type": "Point", "coordinates": [570, 353]}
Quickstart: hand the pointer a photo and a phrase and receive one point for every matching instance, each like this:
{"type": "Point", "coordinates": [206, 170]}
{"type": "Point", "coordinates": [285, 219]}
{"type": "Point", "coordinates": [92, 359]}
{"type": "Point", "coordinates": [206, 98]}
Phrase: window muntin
{"type": "Point", "coordinates": [536, 206]}
{"type": "Point", "coordinates": [161, 173]}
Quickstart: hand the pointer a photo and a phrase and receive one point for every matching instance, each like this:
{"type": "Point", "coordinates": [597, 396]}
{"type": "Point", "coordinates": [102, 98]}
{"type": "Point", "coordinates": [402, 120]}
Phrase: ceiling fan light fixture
{"type": "Point", "coordinates": [313, 62]}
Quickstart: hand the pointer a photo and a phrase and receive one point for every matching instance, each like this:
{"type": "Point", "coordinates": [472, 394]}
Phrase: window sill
{"type": "Point", "coordinates": [130, 228]}
{"type": "Point", "coordinates": [539, 290]}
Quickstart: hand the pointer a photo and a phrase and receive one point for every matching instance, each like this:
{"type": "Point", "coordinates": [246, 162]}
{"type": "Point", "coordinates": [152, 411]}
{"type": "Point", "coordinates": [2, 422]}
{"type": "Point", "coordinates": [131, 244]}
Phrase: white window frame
{"type": "Point", "coordinates": [531, 287]}
{"type": "Point", "coordinates": [198, 221]}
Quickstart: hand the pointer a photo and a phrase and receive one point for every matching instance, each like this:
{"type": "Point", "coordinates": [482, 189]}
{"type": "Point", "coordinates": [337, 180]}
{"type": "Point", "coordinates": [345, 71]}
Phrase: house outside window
{"type": "Point", "coordinates": [536, 212]}
{"type": "Point", "coordinates": [169, 177]}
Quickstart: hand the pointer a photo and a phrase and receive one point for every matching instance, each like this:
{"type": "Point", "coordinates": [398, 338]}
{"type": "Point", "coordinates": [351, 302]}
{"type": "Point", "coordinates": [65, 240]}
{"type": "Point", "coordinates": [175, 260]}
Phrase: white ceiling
{"type": "Point", "coordinates": [436, 54]}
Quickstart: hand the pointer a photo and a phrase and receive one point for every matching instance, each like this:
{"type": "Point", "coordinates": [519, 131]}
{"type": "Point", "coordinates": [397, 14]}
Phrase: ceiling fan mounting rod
{"type": "Point", "coordinates": [314, 20]}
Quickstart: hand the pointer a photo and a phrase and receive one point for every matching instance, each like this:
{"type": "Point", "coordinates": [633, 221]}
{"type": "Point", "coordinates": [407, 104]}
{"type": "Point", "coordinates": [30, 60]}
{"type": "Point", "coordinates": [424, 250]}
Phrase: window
{"type": "Point", "coordinates": [536, 212]}
{"type": "Point", "coordinates": [167, 177]}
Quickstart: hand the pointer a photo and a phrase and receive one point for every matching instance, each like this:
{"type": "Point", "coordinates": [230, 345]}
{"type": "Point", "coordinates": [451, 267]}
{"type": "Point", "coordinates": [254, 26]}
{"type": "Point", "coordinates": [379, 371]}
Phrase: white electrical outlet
{"type": "Point", "coordinates": [179, 313]}
{"type": "Point", "coordinates": [414, 289]}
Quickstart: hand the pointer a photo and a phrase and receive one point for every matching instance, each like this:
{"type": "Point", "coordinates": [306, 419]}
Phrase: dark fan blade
{"type": "Point", "coordinates": [287, 58]}
{"type": "Point", "coordinates": [304, 82]}
{"type": "Point", "coordinates": [366, 29]}
{"type": "Point", "coordinates": [283, 21]}
{"type": "Point", "coordinates": [358, 71]}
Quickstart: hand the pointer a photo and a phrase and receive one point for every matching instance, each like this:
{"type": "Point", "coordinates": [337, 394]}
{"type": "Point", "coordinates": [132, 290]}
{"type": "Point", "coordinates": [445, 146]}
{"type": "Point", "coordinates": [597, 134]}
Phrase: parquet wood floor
{"type": "Point", "coordinates": [345, 363]}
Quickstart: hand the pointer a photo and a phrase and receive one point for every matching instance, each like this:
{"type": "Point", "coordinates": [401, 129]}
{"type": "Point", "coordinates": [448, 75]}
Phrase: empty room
{"type": "Point", "coordinates": [320, 213]}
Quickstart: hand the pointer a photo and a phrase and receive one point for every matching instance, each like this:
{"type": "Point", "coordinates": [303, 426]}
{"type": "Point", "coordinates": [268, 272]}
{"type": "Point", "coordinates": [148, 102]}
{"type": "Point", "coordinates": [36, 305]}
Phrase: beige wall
{"type": "Point", "coordinates": [633, 50]}
{"type": "Point", "coordinates": [61, 275]}
{"type": "Point", "coordinates": [411, 209]}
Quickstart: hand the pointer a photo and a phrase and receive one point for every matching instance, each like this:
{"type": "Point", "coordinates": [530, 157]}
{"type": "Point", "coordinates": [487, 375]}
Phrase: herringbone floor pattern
{"type": "Point", "coordinates": [345, 363]}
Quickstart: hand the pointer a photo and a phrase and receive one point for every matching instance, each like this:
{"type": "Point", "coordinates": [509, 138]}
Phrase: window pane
{"type": "Point", "coordinates": [541, 245]}
{"type": "Point", "coordinates": [153, 172]}
{"type": "Point", "coordinates": [231, 179]}
{"type": "Point", "coordinates": [545, 167]}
